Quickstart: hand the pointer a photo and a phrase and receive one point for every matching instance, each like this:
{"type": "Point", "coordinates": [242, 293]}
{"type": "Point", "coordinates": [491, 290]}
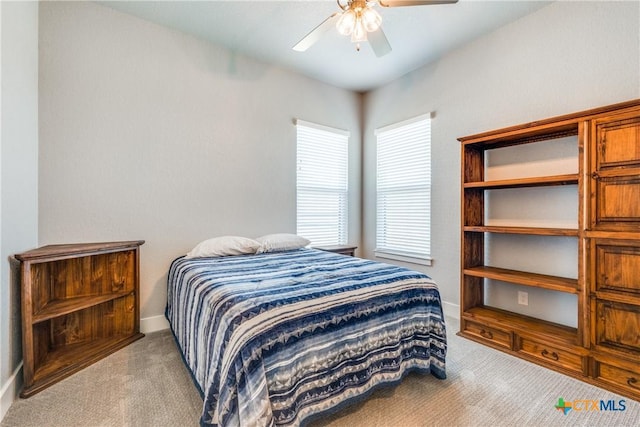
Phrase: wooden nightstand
{"type": "Point", "coordinates": [338, 249]}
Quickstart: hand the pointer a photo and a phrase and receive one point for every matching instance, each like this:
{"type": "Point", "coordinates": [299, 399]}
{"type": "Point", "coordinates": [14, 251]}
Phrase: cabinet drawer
{"type": "Point", "coordinates": [625, 377]}
{"type": "Point", "coordinates": [493, 335]}
{"type": "Point", "coordinates": [618, 326]}
{"type": "Point", "coordinates": [617, 266]}
{"type": "Point", "coordinates": [551, 355]}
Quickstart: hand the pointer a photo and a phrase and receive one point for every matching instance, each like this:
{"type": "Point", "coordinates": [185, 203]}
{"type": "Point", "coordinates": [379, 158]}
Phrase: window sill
{"type": "Point", "coordinates": [404, 258]}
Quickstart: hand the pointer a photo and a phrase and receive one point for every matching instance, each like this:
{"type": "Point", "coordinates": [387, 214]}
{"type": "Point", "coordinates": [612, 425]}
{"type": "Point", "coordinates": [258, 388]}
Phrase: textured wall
{"type": "Point", "coordinates": [147, 133]}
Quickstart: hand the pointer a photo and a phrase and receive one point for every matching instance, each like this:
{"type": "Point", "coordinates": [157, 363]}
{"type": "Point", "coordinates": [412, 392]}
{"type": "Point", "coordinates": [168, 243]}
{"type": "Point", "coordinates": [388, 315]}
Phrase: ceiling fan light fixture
{"type": "Point", "coordinates": [359, 31]}
{"type": "Point", "coordinates": [359, 19]}
{"type": "Point", "coordinates": [371, 19]}
{"type": "Point", "coordinates": [347, 22]}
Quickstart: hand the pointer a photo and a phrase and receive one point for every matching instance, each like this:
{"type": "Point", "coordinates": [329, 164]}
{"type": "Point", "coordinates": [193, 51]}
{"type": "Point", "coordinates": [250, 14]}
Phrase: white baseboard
{"type": "Point", "coordinates": [9, 391]}
{"type": "Point", "coordinates": [451, 310]}
{"type": "Point", "coordinates": [153, 324]}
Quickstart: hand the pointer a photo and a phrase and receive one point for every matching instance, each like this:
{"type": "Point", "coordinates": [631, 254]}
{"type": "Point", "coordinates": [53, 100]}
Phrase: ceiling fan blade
{"type": "Point", "coordinates": [397, 3]}
{"type": "Point", "coordinates": [379, 42]}
{"type": "Point", "coordinates": [317, 33]}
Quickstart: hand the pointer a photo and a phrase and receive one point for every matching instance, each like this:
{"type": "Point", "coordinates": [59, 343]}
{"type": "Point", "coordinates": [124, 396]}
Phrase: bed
{"type": "Point", "coordinates": [279, 338]}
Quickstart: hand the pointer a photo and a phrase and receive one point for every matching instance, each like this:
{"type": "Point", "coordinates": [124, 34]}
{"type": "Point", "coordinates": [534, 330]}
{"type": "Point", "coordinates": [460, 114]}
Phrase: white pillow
{"type": "Point", "coordinates": [281, 242]}
{"type": "Point", "coordinates": [223, 246]}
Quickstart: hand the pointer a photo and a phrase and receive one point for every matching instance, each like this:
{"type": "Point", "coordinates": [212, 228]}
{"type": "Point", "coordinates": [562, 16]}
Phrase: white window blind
{"type": "Point", "coordinates": [322, 175]}
{"type": "Point", "coordinates": [404, 190]}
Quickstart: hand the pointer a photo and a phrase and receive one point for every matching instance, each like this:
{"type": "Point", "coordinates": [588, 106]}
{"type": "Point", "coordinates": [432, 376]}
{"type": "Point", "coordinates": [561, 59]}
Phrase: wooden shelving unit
{"type": "Point", "coordinates": [525, 324]}
{"type": "Point", "coordinates": [79, 303]}
{"type": "Point", "coordinates": [533, 231]}
{"type": "Point", "coordinates": [604, 348]}
{"type": "Point", "coordinates": [524, 182]}
{"type": "Point", "coordinates": [545, 281]}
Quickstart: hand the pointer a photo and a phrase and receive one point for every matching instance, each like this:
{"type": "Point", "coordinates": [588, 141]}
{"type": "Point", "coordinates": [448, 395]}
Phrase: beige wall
{"type": "Point", "coordinates": [148, 133]}
{"type": "Point", "coordinates": [566, 57]}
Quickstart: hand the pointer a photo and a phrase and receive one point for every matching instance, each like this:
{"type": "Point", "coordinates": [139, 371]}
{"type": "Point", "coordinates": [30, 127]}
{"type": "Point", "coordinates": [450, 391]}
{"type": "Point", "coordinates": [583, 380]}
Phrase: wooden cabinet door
{"type": "Point", "coordinates": [617, 267]}
{"type": "Point", "coordinates": [617, 203]}
{"type": "Point", "coordinates": [615, 172]}
{"type": "Point", "coordinates": [618, 327]}
{"type": "Point", "coordinates": [616, 291]}
{"type": "Point", "coordinates": [617, 141]}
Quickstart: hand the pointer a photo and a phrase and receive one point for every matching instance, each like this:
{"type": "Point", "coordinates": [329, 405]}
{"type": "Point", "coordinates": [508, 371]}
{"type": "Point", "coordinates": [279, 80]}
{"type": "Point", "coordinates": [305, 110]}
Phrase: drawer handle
{"type": "Point", "coordinates": [632, 382]}
{"type": "Point", "coordinates": [486, 334]}
{"type": "Point", "coordinates": [553, 356]}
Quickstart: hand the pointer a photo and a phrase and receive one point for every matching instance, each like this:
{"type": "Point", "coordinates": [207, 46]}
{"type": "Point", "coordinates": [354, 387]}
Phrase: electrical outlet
{"type": "Point", "coordinates": [523, 298]}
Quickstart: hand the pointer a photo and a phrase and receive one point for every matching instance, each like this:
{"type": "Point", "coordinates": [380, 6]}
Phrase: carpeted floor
{"type": "Point", "coordinates": [146, 384]}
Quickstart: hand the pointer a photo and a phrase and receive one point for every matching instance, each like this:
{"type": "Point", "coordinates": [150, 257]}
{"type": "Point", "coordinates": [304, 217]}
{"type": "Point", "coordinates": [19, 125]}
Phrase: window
{"type": "Point", "coordinates": [403, 229]}
{"type": "Point", "coordinates": [322, 158]}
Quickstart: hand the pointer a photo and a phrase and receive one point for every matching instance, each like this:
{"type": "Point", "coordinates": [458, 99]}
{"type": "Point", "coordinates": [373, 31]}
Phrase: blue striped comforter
{"type": "Point", "coordinates": [275, 338]}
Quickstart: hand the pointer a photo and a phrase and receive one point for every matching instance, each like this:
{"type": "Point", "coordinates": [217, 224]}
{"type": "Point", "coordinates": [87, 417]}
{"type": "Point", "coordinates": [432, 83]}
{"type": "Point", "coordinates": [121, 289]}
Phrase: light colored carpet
{"type": "Point", "coordinates": [146, 384]}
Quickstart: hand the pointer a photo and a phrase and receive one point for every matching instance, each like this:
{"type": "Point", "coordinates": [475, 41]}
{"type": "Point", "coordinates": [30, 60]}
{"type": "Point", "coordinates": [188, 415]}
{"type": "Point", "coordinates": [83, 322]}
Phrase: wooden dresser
{"type": "Point", "coordinates": [604, 347]}
{"type": "Point", "coordinates": [80, 303]}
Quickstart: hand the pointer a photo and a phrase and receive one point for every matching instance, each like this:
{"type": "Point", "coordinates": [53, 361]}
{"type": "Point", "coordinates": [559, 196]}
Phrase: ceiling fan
{"type": "Point", "coordinates": [362, 22]}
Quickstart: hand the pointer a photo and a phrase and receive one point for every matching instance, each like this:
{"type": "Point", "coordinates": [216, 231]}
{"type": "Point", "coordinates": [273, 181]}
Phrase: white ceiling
{"type": "Point", "coordinates": [267, 30]}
